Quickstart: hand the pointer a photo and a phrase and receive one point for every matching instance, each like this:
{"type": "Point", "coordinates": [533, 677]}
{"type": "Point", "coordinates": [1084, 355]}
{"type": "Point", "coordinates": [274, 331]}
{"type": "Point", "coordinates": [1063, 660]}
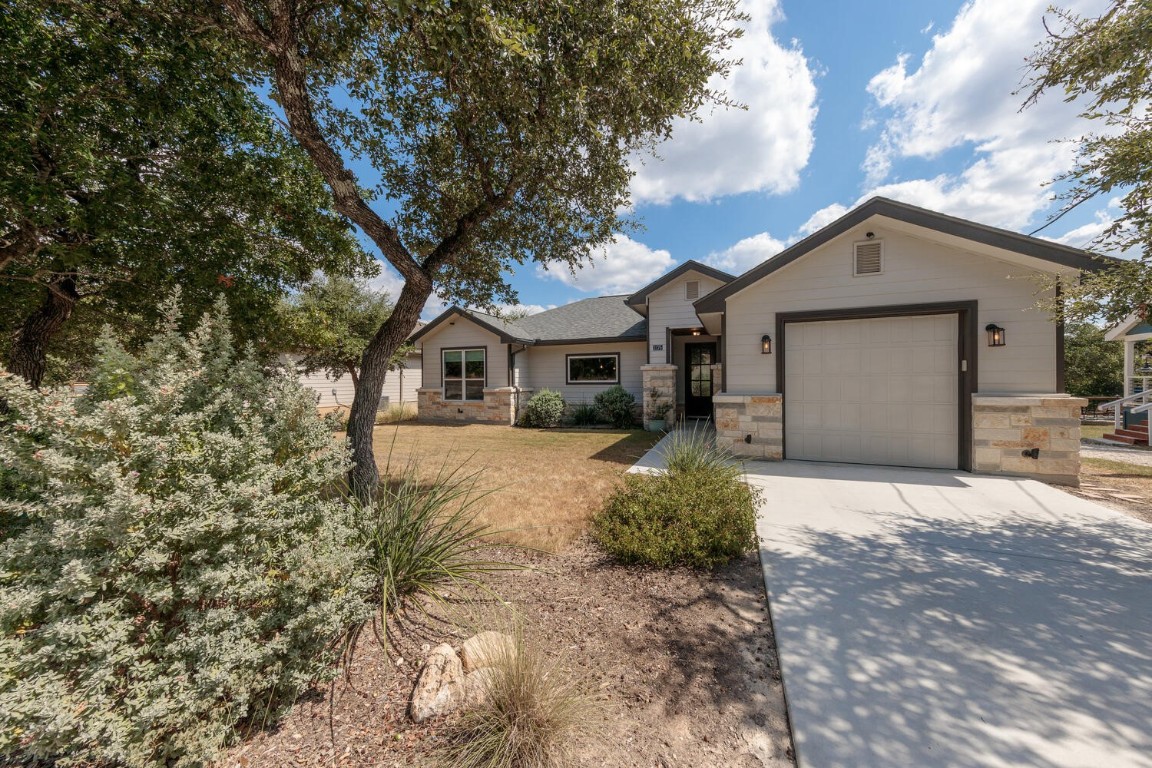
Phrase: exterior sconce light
{"type": "Point", "coordinates": [765, 344]}
{"type": "Point", "coordinates": [695, 331]}
{"type": "Point", "coordinates": [995, 335]}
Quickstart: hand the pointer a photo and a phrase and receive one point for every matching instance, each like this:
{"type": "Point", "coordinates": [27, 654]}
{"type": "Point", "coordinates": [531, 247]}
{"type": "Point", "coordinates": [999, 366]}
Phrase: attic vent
{"type": "Point", "coordinates": [866, 258]}
{"type": "Point", "coordinates": [692, 290]}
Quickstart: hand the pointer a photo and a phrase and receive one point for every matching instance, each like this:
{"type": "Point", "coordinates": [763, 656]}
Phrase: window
{"type": "Point", "coordinates": [464, 374]}
{"type": "Point", "coordinates": [593, 369]}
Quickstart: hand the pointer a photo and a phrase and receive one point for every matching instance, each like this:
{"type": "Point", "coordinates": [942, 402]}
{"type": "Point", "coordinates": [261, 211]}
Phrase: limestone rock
{"type": "Point", "coordinates": [477, 685]}
{"type": "Point", "coordinates": [440, 685]}
{"type": "Point", "coordinates": [487, 649]}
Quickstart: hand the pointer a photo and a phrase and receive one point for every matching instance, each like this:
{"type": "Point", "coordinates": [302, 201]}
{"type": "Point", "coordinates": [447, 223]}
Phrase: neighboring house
{"type": "Point", "coordinates": [1131, 411]}
{"type": "Point", "coordinates": [894, 335]}
{"type": "Point", "coordinates": [400, 386]}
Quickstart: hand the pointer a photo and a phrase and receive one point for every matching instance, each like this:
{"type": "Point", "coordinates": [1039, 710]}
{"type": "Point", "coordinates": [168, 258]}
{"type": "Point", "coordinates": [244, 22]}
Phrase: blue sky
{"type": "Point", "coordinates": [912, 99]}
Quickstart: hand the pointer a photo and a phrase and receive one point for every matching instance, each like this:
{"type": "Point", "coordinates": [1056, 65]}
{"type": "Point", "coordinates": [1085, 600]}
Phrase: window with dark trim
{"type": "Point", "coordinates": [464, 374]}
{"type": "Point", "coordinates": [594, 369]}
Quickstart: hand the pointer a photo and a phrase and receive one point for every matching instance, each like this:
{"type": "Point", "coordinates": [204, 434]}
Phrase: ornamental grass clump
{"type": "Point", "coordinates": [178, 568]}
{"type": "Point", "coordinates": [419, 542]}
{"type": "Point", "coordinates": [528, 715]}
{"type": "Point", "coordinates": [698, 513]}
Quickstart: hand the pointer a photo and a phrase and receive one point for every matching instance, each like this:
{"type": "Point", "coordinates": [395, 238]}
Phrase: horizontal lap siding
{"type": "Point", "coordinates": [322, 385]}
{"type": "Point", "coordinates": [545, 367]}
{"type": "Point", "coordinates": [668, 308]}
{"type": "Point", "coordinates": [462, 335]}
{"type": "Point", "coordinates": [916, 271]}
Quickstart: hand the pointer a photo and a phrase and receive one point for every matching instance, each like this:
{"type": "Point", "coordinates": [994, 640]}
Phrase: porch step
{"type": "Point", "coordinates": [1129, 436]}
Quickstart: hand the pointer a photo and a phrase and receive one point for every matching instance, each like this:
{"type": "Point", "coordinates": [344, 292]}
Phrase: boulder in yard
{"type": "Point", "coordinates": [487, 649]}
{"type": "Point", "coordinates": [477, 685]}
{"type": "Point", "coordinates": [440, 685]}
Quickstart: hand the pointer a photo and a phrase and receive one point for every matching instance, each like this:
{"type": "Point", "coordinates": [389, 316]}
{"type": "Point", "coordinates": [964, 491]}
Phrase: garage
{"type": "Point", "coordinates": [875, 390]}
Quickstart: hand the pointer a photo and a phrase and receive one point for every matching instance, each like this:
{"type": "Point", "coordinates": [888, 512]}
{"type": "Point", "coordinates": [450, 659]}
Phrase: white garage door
{"type": "Point", "coordinates": [875, 391]}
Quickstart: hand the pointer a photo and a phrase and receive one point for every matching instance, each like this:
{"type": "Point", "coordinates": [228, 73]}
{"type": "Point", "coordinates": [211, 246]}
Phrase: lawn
{"type": "Point", "coordinates": [542, 486]}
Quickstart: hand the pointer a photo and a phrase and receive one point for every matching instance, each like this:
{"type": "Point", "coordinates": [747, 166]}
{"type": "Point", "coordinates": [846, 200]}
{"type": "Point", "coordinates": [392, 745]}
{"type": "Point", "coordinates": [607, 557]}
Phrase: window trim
{"type": "Point", "coordinates": [585, 355]}
{"type": "Point", "coordinates": [463, 379]}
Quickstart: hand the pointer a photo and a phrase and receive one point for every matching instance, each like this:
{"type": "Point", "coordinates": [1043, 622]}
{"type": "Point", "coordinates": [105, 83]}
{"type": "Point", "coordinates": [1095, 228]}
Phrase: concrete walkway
{"type": "Point", "coordinates": [930, 618]}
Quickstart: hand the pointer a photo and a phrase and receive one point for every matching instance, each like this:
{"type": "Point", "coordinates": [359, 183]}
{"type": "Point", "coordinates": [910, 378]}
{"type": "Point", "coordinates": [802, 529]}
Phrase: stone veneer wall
{"type": "Point", "coordinates": [662, 378]}
{"type": "Point", "coordinates": [1005, 426]}
{"type": "Point", "coordinates": [501, 405]}
{"type": "Point", "coordinates": [750, 425]}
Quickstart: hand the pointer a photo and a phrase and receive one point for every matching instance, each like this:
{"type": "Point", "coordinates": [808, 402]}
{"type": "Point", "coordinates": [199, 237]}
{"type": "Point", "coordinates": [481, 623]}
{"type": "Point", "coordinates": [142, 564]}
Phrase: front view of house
{"type": "Point", "coordinates": [895, 335]}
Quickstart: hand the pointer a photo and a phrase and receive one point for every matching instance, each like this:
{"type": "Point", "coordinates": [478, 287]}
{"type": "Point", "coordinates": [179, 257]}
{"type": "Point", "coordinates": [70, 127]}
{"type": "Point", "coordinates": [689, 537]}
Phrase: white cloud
{"type": "Point", "coordinates": [746, 253]}
{"type": "Point", "coordinates": [960, 98]}
{"type": "Point", "coordinates": [622, 266]}
{"type": "Point", "coordinates": [762, 148]}
{"type": "Point", "coordinates": [522, 309]}
{"type": "Point", "coordinates": [822, 218]}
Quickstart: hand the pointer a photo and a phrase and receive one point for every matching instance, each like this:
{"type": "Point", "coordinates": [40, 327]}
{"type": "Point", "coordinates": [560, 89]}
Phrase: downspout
{"type": "Point", "coordinates": [512, 377]}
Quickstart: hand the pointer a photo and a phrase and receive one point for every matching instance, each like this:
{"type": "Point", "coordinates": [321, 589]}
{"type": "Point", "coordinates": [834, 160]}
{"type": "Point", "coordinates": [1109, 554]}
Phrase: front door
{"type": "Point", "coordinates": [699, 359]}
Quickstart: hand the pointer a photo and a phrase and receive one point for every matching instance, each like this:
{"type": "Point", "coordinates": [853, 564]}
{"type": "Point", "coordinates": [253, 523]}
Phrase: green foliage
{"type": "Point", "coordinates": [420, 541]}
{"type": "Point", "coordinates": [584, 415]}
{"type": "Point", "coordinates": [529, 717]}
{"type": "Point", "coordinates": [178, 568]}
{"type": "Point", "coordinates": [694, 450]}
{"type": "Point", "coordinates": [1105, 62]}
{"type": "Point", "coordinates": [544, 410]}
{"type": "Point", "coordinates": [331, 321]}
{"type": "Point", "coordinates": [699, 513]}
{"type": "Point", "coordinates": [1093, 366]}
{"type": "Point", "coordinates": [617, 406]}
{"type": "Point", "coordinates": [132, 159]}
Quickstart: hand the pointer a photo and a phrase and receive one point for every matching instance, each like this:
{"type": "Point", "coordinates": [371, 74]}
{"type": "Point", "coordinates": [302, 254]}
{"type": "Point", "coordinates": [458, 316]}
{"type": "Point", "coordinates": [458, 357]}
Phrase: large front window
{"type": "Point", "coordinates": [464, 374]}
{"type": "Point", "coordinates": [593, 369]}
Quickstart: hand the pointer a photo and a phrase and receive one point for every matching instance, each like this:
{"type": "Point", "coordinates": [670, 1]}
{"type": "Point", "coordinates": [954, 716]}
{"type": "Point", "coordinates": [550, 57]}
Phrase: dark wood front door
{"type": "Point", "coordinates": [698, 361]}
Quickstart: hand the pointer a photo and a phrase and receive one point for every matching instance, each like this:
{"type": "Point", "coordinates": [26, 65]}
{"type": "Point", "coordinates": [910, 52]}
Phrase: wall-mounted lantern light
{"type": "Point", "coordinates": [995, 335]}
{"type": "Point", "coordinates": [765, 344]}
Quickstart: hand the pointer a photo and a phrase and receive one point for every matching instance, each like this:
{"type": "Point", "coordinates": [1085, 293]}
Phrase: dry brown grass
{"type": "Point", "coordinates": [545, 484]}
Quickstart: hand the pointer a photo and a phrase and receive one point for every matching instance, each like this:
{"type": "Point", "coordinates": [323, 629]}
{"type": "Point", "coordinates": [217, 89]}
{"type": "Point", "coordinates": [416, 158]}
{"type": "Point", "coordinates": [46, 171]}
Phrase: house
{"type": "Point", "coordinates": [1131, 411]}
{"type": "Point", "coordinates": [400, 385]}
{"type": "Point", "coordinates": [894, 335]}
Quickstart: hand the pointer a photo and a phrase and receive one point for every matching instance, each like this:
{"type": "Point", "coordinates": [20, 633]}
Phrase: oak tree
{"type": "Point", "coordinates": [485, 134]}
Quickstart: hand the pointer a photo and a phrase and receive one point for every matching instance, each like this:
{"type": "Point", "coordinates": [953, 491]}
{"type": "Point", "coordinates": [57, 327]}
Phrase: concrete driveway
{"type": "Point", "coordinates": [930, 618]}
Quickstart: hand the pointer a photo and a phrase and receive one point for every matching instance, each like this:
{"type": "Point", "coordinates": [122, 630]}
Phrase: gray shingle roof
{"type": "Point", "coordinates": [600, 319]}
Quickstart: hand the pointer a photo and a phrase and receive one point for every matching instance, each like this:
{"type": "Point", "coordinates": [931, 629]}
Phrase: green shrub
{"type": "Point", "coordinates": [529, 715]}
{"type": "Point", "coordinates": [617, 406]}
{"type": "Point", "coordinates": [179, 568]}
{"type": "Point", "coordinates": [584, 415]}
{"type": "Point", "coordinates": [544, 410]}
{"type": "Point", "coordinates": [699, 513]}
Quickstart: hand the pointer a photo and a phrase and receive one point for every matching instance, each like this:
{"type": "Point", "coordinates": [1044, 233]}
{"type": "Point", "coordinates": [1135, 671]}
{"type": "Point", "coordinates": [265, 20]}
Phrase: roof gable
{"type": "Point", "coordinates": [1054, 253]}
{"type": "Point", "coordinates": [640, 298]}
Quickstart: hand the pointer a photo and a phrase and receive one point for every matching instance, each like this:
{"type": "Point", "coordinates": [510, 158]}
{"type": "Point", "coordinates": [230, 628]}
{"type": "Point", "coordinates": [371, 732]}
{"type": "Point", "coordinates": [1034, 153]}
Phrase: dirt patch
{"type": "Point", "coordinates": [1119, 485]}
{"type": "Point", "coordinates": [683, 663]}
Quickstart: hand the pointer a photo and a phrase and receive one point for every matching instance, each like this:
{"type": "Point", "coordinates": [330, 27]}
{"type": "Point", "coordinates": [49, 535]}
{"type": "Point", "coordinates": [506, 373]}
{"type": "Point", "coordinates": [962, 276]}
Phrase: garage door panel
{"type": "Point", "coordinates": [877, 391]}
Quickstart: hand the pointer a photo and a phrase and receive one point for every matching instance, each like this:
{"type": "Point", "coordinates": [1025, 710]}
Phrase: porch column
{"type": "Point", "coordinates": [659, 381]}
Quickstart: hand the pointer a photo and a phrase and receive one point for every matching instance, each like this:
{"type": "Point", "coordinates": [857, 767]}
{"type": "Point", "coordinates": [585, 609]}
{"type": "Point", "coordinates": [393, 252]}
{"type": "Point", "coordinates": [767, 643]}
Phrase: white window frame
{"type": "Point", "coordinates": [463, 378]}
{"type": "Point", "coordinates": [568, 367]}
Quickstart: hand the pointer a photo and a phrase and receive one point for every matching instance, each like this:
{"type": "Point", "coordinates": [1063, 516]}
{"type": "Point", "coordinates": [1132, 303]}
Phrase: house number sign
{"type": "Point", "coordinates": [657, 347]}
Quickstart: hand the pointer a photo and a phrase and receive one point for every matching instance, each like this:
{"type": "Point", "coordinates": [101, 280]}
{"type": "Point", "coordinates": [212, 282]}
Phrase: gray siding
{"type": "Point", "coordinates": [669, 308]}
{"type": "Point", "coordinates": [546, 367]}
{"type": "Point", "coordinates": [464, 333]}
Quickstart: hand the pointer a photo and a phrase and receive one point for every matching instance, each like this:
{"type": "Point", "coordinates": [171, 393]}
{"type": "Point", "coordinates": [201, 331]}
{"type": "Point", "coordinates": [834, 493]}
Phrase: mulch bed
{"type": "Point", "coordinates": [683, 664]}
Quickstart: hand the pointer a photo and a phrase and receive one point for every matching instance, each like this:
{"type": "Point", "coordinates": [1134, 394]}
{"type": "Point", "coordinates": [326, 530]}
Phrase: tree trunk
{"type": "Point", "coordinates": [29, 354]}
{"type": "Point", "coordinates": [364, 476]}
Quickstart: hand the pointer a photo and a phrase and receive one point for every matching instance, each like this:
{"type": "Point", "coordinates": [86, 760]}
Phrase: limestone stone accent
{"type": "Point", "coordinates": [501, 405]}
{"type": "Point", "coordinates": [487, 649]}
{"type": "Point", "coordinates": [751, 426]}
{"type": "Point", "coordinates": [659, 380]}
{"type": "Point", "coordinates": [1005, 427]}
{"type": "Point", "coordinates": [440, 685]}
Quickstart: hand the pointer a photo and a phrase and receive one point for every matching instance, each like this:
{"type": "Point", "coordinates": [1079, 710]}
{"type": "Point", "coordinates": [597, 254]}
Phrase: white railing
{"type": "Point", "coordinates": [1117, 406]}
